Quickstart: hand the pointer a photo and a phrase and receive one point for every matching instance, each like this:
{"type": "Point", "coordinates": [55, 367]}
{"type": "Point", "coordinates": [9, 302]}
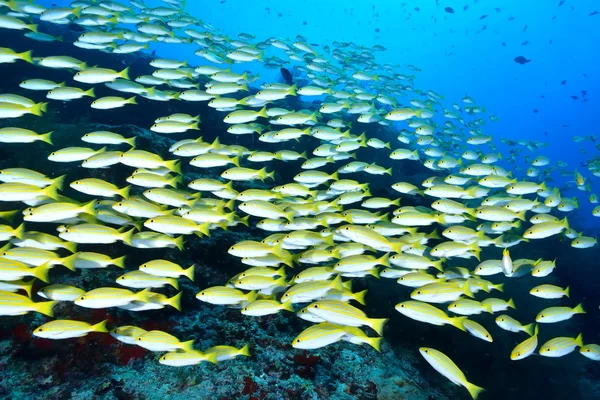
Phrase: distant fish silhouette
{"type": "Point", "coordinates": [525, 43]}
{"type": "Point", "coordinates": [287, 76]}
{"type": "Point", "coordinates": [563, 82]}
{"type": "Point", "coordinates": [449, 10]}
{"type": "Point", "coordinates": [521, 60]}
{"type": "Point", "coordinates": [483, 16]}
{"type": "Point", "coordinates": [561, 2]}
{"type": "Point", "coordinates": [594, 13]}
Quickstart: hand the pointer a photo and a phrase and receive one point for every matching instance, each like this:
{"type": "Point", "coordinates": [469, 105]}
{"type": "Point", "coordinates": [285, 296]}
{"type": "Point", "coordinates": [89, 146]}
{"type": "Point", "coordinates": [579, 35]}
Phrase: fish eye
{"type": "Point", "coordinates": [40, 329]}
{"type": "Point", "coordinates": [419, 292]}
{"type": "Point", "coordinates": [518, 354]}
{"type": "Point", "coordinates": [542, 316]}
{"type": "Point", "coordinates": [297, 341]}
{"type": "Point", "coordinates": [139, 339]}
{"type": "Point", "coordinates": [202, 294]}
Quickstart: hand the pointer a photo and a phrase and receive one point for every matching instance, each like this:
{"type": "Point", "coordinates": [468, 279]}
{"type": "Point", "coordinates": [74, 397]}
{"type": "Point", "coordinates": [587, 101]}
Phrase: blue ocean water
{"type": "Point", "coordinates": [469, 52]}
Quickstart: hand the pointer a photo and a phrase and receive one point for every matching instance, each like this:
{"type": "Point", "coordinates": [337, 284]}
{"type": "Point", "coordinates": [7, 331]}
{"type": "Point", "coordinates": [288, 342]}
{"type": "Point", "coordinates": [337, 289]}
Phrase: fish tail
{"type": "Point", "coordinates": [187, 346]}
{"type": "Point", "coordinates": [579, 309]}
{"type": "Point", "coordinates": [125, 73]}
{"type": "Point", "coordinates": [474, 390]}
{"type": "Point", "coordinates": [511, 303]}
{"type": "Point", "coordinates": [174, 165]}
{"type": "Point", "coordinates": [100, 327]}
{"type": "Point", "coordinates": [288, 306]}
{"type": "Point", "coordinates": [203, 229]}
{"type": "Point", "coordinates": [76, 11]}
{"type": "Point", "coordinates": [236, 161]}
{"type": "Point", "coordinates": [375, 343]}
{"type": "Point", "coordinates": [32, 27]}
{"type": "Point", "coordinates": [459, 322]}
{"type": "Point", "coordinates": [292, 89]}
{"type": "Point", "coordinates": [175, 301]}
{"type": "Point", "coordinates": [127, 236]}
{"type": "Point", "coordinates": [374, 272]}
{"type": "Point", "coordinates": [26, 56]}
{"type": "Point", "coordinates": [47, 137]}
{"type": "Point", "coordinates": [251, 297]}
{"type": "Point", "coordinates": [467, 288]}
{"type": "Point", "coordinates": [529, 329]}
{"type": "Point", "coordinates": [19, 231]}
{"type": "Point", "coordinates": [38, 109]}
{"type": "Point", "coordinates": [567, 291]}
{"type": "Point", "coordinates": [245, 351]}
{"type": "Point", "coordinates": [42, 272]}
{"type": "Point", "coordinates": [384, 260]}
{"type": "Point", "coordinates": [119, 262]}
{"type": "Point", "coordinates": [90, 93]}
{"type": "Point", "coordinates": [46, 307]}
{"type": "Point", "coordinates": [69, 262]}
{"type": "Point", "coordinates": [564, 222]}
{"type": "Point", "coordinates": [89, 208]}
{"type": "Point", "coordinates": [360, 297]}
{"type": "Point", "coordinates": [143, 296]}
{"type": "Point", "coordinates": [211, 358]}
{"type": "Point", "coordinates": [131, 100]}
{"type": "Point", "coordinates": [263, 112]}
{"type": "Point", "coordinates": [190, 272]}
{"type": "Point", "coordinates": [71, 246]}
{"type": "Point", "coordinates": [377, 324]}
{"type": "Point", "coordinates": [174, 283]}
{"type": "Point", "coordinates": [179, 243]}
{"type": "Point", "coordinates": [579, 340]}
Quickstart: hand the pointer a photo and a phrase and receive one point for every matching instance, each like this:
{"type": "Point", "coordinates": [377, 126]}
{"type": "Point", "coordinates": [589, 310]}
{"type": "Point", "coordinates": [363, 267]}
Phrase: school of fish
{"type": "Point", "coordinates": [324, 229]}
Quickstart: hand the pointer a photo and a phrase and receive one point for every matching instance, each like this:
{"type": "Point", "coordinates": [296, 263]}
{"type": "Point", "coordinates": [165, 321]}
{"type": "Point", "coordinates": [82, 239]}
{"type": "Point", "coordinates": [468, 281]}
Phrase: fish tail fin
{"type": "Point", "coordinates": [19, 231]}
{"type": "Point", "coordinates": [292, 89]}
{"type": "Point", "coordinates": [579, 340]}
{"type": "Point", "coordinates": [190, 272]}
{"type": "Point", "coordinates": [42, 272]}
{"type": "Point", "coordinates": [236, 161]}
{"type": "Point", "coordinates": [377, 324]}
{"type": "Point", "coordinates": [474, 390]}
{"type": "Point", "coordinates": [38, 109]}
{"type": "Point", "coordinates": [459, 322]}
{"type": "Point", "coordinates": [174, 283]}
{"type": "Point", "coordinates": [127, 236]}
{"type": "Point", "coordinates": [46, 307]}
{"type": "Point", "coordinates": [467, 288]}
{"type": "Point", "coordinates": [188, 346]}
{"type": "Point", "coordinates": [499, 287]}
{"type": "Point", "coordinates": [175, 301]}
{"type": "Point", "coordinates": [100, 327]}
{"type": "Point", "coordinates": [125, 73]}
{"type": "Point", "coordinates": [564, 222]}
{"type": "Point", "coordinates": [579, 309]}
{"type": "Point", "coordinates": [69, 262]}
{"type": "Point", "coordinates": [124, 193]}
{"type": "Point", "coordinates": [26, 56]}
{"type": "Point", "coordinates": [567, 291]}
{"type": "Point", "coordinates": [245, 351]}
{"type": "Point", "coordinates": [250, 297]}
{"type": "Point", "coordinates": [143, 296]}
{"type": "Point", "coordinates": [360, 297]}
{"type": "Point", "coordinates": [71, 246]}
{"type": "Point", "coordinates": [90, 93]}
{"type": "Point", "coordinates": [27, 286]}
{"type": "Point", "coordinates": [288, 306]}
{"type": "Point", "coordinates": [119, 262]}
{"type": "Point", "coordinates": [375, 343]}
{"type": "Point", "coordinates": [179, 243]}
{"type": "Point", "coordinates": [174, 165]}
{"type": "Point", "coordinates": [203, 229]}
{"type": "Point", "coordinates": [47, 137]}
{"type": "Point", "coordinates": [521, 215]}
{"type": "Point", "coordinates": [511, 303]}
{"type": "Point", "coordinates": [529, 329]}
{"type": "Point", "coordinates": [384, 260]}
{"type": "Point", "coordinates": [263, 112]}
{"type": "Point", "coordinates": [337, 283]}
{"type": "Point", "coordinates": [131, 100]}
